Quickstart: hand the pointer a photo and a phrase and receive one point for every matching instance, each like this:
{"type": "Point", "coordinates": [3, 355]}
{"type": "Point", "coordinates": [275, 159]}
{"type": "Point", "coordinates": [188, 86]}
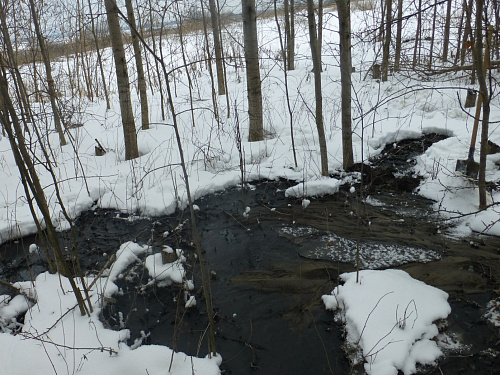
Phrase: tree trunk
{"type": "Point", "coordinates": [48, 72]}
{"type": "Point", "coordinates": [157, 66]}
{"type": "Point", "coordinates": [344, 10]}
{"type": "Point", "coordinates": [141, 79]}
{"type": "Point", "coordinates": [468, 36]}
{"type": "Point", "coordinates": [209, 65]}
{"type": "Point", "coordinates": [447, 26]}
{"type": "Point", "coordinates": [320, 32]}
{"type": "Point", "coordinates": [433, 33]}
{"type": "Point", "coordinates": [387, 40]}
{"type": "Point", "coordinates": [287, 92]}
{"type": "Point", "coordinates": [99, 55]}
{"type": "Point", "coordinates": [416, 49]}
{"type": "Point", "coordinates": [214, 17]}
{"type": "Point", "coordinates": [399, 31]}
{"type": "Point", "coordinates": [122, 80]}
{"type": "Point", "coordinates": [313, 41]}
{"type": "Point", "coordinates": [459, 33]}
{"type": "Point", "coordinates": [256, 130]}
{"type": "Point", "coordinates": [481, 72]}
{"type": "Point", "coordinates": [382, 23]}
{"type": "Point", "coordinates": [291, 38]}
{"type": "Point", "coordinates": [29, 177]}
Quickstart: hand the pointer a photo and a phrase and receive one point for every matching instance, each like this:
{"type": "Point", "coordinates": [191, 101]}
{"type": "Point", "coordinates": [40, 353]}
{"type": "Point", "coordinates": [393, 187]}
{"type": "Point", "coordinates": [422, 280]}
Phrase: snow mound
{"type": "Point", "coordinates": [168, 273]}
{"type": "Point", "coordinates": [316, 188]}
{"type": "Point", "coordinates": [389, 318]}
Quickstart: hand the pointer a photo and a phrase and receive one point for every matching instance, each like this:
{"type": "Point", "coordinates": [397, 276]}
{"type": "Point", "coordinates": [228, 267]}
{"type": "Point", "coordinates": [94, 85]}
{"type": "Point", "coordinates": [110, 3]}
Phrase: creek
{"type": "Point", "coordinates": [271, 267]}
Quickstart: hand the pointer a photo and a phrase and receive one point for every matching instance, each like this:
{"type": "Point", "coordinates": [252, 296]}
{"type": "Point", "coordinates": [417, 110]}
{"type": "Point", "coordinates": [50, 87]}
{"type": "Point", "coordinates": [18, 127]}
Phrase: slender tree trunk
{"type": "Point", "coordinates": [228, 104]}
{"type": "Point", "coordinates": [123, 82]}
{"type": "Point", "coordinates": [418, 36]}
{"type": "Point", "coordinates": [460, 33]}
{"type": "Point", "coordinates": [344, 10]}
{"type": "Point", "coordinates": [9, 119]}
{"type": "Point", "coordinates": [286, 9]}
{"type": "Point", "coordinates": [433, 33]}
{"type": "Point", "coordinates": [141, 79]}
{"type": "Point", "coordinates": [81, 42]}
{"type": "Point", "coordinates": [387, 40]}
{"type": "Point", "coordinates": [214, 17]}
{"type": "Point", "coordinates": [447, 25]}
{"type": "Point", "coordinates": [496, 44]}
{"type": "Point", "coordinates": [290, 112]}
{"type": "Point", "coordinates": [482, 71]}
{"type": "Point", "coordinates": [209, 58]}
{"type": "Point", "coordinates": [48, 72]}
{"type": "Point", "coordinates": [99, 55]}
{"type": "Point", "coordinates": [140, 21]}
{"type": "Point", "coordinates": [382, 23]}
{"type": "Point", "coordinates": [468, 35]}
{"type": "Point", "coordinates": [313, 41]}
{"type": "Point", "coordinates": [254, 90]}
{"type": "Point", "coordinates": [23, 102]}
{"type": "Point", "coordinates": [397, 58]}
{"type": "Point", "coordinates": [186, 68]}
{"type": "Point", "coordinates": [291, 38]}
{"type": "Point", "coordinates": [157, 66]}
{"type": "Point", "coordinates": [320, 32]}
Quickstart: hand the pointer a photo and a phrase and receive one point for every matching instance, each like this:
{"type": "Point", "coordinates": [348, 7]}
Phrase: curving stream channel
{"type": "Point", "coordinates": [269, 270]}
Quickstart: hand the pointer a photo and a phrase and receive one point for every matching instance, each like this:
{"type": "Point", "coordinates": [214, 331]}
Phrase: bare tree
{"type": "Point", "coordinates": [254, 90]}
{"type": "Point", "coordinates": [209, 64]}
{"type": "Point", "coordinates": [431, 48]}
{"type": "Point", "coordinates": [99, 54]}
{"type": "Point", "coordinates": [468, 36]}
{"type": "Point", "coordinates": [31, 183]}
{"type": "Point", "coordinates": [289, 9]}
{"type": "Point", "coordinates": [48, 72]}
{"type": "Point", "coordinates": [447, 25]}
{"type": "Point", "coordinates": [399, 29]}
{"type": "Point", "coordinates": [122, 79]}
{"type": "Point", "coordinates": [313, 41]}
{"type": "Point", "coordinates": [215, 20]}
{"type": "Point", "coordinates": [484, 96]}
{"type": "Point", "coordinates": [387, 40]}
{"type": "Point", "coordinates": [141, 80]}
{"type": "Point", "coordinates": [344, 10]}
{"type": "Point", "coordinates": [287, 92]}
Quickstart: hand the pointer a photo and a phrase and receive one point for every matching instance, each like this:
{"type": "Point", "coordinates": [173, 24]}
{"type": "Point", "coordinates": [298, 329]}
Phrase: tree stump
{"type": "Point", "coordinates": [470, 100]}
{"type": "Point", "coordinates": [376, 71]}
{"type": "Point", "coordinates": [168, 255]}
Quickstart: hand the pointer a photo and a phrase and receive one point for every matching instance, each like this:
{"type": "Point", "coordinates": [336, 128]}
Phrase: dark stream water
{"type": "Point", "coordinates": [269, 317]}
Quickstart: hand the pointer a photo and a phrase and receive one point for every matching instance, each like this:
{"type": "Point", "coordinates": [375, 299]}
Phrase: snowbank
{"type": "Point", "coordinates": [389, 317]}
{"type": "Point", "coordinates": [57, 339]}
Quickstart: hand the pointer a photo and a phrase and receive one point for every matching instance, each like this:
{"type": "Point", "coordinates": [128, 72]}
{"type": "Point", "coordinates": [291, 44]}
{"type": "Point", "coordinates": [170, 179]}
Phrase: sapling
{"type": "Point", "coordinates": [205, 275]}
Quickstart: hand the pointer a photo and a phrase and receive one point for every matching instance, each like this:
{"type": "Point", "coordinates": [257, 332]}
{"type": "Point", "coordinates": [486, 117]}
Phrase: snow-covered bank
{"type": "Point", "coordinates": [383, 112]}
{"type": "Point", "coordinates": [389, 319]}
{"type": "Point", "coordinates": [57, 339]}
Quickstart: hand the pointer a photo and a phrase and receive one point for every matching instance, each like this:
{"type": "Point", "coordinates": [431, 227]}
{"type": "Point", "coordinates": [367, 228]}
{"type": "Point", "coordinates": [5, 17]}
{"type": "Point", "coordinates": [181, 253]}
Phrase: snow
{"type": "Point", "coordinates": [493, 312]}
{"type": "Point", "coordinates": [57, 339]}
{"type": "Point", "coordinates": [152, 185]}
{"type": "Point", "coordinates": [389, 317]}
{"type": "Point", "coordinates": [372, 255]}
{"type": "Point", "coordinates": [167, 273]}
{"type": "Point", "coordinates": [314, 188]}
{"type": "Point", "coordinates": [126, 255]}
